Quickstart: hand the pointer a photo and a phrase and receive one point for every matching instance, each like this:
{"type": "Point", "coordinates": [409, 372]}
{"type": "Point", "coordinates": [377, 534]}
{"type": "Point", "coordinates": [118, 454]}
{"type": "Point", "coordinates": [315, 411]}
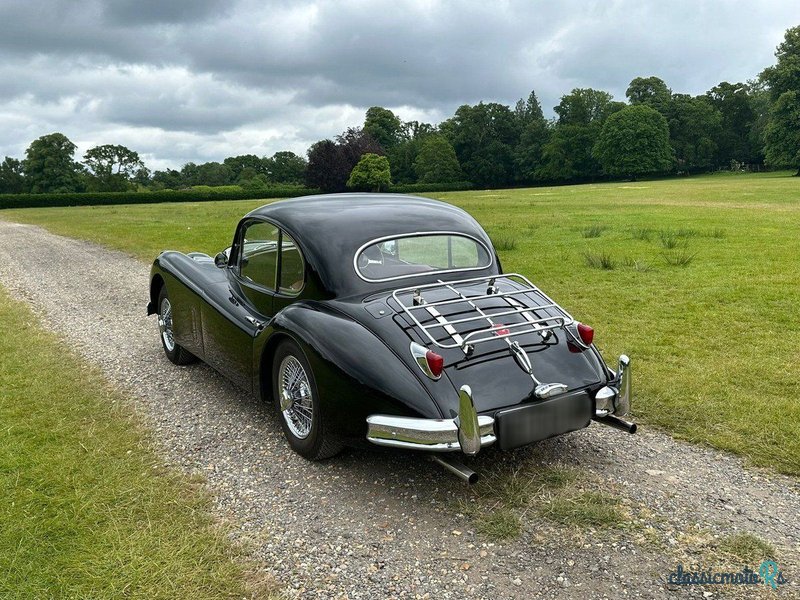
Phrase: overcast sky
{"type": "Point", "coordinates": [199, 80]}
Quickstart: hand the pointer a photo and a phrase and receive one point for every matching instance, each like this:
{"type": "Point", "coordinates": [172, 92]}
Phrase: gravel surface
{"type": "Point", "coordinates": [377, 524]}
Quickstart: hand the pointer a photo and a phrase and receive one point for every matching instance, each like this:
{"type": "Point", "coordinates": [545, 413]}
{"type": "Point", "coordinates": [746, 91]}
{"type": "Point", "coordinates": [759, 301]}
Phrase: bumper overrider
{"type": "Point", "coordinates": [469, 432]}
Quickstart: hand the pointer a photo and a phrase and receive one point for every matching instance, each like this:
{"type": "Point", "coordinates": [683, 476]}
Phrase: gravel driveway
{"type": "Point", "coordinates": [382, 524]}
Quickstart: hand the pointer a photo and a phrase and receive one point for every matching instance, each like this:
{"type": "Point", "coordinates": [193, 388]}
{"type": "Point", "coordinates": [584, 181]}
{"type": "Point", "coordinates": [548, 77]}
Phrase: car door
{"type": "Point", "coordinates": [245, 301]}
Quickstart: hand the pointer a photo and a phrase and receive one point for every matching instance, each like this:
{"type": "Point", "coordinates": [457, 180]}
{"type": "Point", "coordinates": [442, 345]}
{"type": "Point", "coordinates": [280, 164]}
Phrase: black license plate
{"type": "Point", "coordinates": [530, 423]}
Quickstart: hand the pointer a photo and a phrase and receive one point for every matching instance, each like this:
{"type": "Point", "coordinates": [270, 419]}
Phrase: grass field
{"type": "Point", "coordinates": [88, 509]}
{"type": "Point", "coordinates": [697, 279]}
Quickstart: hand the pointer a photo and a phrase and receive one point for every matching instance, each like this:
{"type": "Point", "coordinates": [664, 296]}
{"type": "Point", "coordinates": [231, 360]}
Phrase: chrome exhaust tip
{"type": "Point", "coordinates": [616, 423]}
{"type": "Point", "coordinates": [459, 469]}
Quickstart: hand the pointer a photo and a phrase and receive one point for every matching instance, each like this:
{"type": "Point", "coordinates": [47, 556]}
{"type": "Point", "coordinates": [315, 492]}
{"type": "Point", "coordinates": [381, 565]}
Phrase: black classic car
{"type": "Point", "coordinates": [387, 319]}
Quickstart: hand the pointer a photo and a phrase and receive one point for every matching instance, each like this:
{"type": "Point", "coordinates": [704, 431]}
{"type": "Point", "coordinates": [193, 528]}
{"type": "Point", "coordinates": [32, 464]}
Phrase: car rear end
{"type": "Point", "coordinates": [505, 364]}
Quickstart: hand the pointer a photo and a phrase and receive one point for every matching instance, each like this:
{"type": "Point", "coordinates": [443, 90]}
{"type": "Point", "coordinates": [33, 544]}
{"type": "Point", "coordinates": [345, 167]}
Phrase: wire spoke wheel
{"type": "Point", "coordinates": [295, 389]}
{"type": "Point", "coordinates": [165, 324]}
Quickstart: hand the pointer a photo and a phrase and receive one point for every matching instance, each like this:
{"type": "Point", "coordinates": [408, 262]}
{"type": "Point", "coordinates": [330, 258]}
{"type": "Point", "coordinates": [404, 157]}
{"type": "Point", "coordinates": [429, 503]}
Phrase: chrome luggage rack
{"type": "Point", "coordinates": [542, 318]}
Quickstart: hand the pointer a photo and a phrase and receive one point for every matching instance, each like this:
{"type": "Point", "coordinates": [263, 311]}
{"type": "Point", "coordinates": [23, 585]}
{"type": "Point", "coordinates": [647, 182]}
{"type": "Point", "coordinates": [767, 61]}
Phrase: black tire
{"type": "Point", "coordinates": [318, 443]}
{"type": "Point", "coordinates": [176, 354]}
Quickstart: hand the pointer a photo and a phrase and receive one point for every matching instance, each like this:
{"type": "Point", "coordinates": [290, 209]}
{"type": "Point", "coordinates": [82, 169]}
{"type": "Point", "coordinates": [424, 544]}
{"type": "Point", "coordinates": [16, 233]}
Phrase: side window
{"type": "Point", "coordinates": [291, 267]}
{"type": "Point", "coordinates": [259, 256]}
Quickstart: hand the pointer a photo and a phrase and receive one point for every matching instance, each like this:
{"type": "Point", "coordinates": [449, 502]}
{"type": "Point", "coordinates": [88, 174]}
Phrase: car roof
{"type": "Point", "coordinates": [330, 228]}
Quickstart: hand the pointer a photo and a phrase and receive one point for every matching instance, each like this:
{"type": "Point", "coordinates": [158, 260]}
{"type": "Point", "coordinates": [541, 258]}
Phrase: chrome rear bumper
{"type": "Point", "coordinates": [468, 432]}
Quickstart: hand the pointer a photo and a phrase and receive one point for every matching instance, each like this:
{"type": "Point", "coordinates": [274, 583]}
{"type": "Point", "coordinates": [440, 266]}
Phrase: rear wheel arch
{"type": "Point", "coordinates": [156, 283]}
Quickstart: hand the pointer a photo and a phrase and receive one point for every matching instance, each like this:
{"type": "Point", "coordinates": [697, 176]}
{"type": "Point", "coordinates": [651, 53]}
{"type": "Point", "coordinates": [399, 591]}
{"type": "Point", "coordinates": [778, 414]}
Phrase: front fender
{"type": "Point", "coordinates": [356, 373]}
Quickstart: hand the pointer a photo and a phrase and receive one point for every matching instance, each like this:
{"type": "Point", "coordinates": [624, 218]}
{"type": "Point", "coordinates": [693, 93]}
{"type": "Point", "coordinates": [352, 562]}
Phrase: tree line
{"type": "Point", "coordinates": [657, 131]}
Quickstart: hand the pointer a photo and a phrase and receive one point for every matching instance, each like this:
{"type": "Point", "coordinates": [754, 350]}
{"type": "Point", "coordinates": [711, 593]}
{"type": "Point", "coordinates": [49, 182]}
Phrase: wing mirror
{"type": "Point", "coordinates": [221, 260]}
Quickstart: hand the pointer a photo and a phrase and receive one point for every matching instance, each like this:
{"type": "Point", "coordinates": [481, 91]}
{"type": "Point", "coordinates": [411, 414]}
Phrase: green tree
{"type": "Point", "coordinates": [567, 154]}
{"type": "Point", "coordinates": [633, 142]}
{"type": "Point", "coordinates": [287, 167]}
{"type": "Point", "coordinates": [534, 132]}
{"type": "Point", "coordinates": [782, 135]}
{"type": "Point", "coordinates": [528, 110]}
{"type": "Point", "coordinates": [483, 137]}
{"type": "Point", "coordinates": [111, 167]}
{"type": "Point", "coordinates": [244, 167]}
{"type": "Point", "coordinates": [785, 75]}
{"type": "Point", "coordinates": [12, 177]}
{"type": "Point", "coordinates": [694, 125]}
{"type": "Point", "coordinates": [384, 126]}
{"type": "Point", "coordinates": [735, 105]}
{"type": "Point", "coordinates": [583, 106]}
{"type": "Point", "coordinates": [371, 173]}
{"type": "Point", "coordinates": [437, 161]}
{"type": "Point", "coordinates": [49, 165]}
{"type": "Point", "coordinates": [651, 91]}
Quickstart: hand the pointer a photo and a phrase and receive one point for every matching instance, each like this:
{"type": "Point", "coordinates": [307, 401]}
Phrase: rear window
{"type": "Point", "coordinates": [405, 256]}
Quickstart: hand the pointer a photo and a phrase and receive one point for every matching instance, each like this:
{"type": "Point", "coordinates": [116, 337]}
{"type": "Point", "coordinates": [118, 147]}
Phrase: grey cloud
{"type": "Point", "coordinates": [200, 80]}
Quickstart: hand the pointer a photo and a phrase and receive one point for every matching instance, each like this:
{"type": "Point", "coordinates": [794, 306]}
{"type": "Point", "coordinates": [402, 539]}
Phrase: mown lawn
{"type": "Point", "coordinates": [88, 510]}
{"type": "Point", "coordinates": [697, 279]}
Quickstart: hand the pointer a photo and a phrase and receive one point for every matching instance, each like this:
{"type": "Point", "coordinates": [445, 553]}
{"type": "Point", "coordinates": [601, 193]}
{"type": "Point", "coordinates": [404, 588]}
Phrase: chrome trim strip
{"type": "Point", "coordinates": [427, 273]}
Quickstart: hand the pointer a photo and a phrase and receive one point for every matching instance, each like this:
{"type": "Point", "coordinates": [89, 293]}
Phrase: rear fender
{"type": "Point", "coordinates": [356, 373]}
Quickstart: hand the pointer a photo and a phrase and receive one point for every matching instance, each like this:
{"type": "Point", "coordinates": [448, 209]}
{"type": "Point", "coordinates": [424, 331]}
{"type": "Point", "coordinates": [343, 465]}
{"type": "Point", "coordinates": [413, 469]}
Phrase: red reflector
{"type": "Point", "coordinates": [499, 329]}
{"type": "Point", "coordinates": [574, 348]}
{"type": "Point", "coordinates": [586, 333]}
{"type": "Point", "coordinates": [435, 363]}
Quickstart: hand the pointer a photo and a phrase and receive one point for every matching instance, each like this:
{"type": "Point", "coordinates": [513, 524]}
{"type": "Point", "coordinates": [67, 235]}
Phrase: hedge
{"type": "Point", "coordinates": [198, 194]}
{"type": "Point", "coordinates": [109, 198]}
{"type": "Point", "coordinates": [411, 188]}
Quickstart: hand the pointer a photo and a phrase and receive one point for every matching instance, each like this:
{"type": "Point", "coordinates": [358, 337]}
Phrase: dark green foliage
{"type": "Point", "coordinates": [111, 168]}
{"type": "Point", "coordinates": [785, 75]}
{"type": "Point", "coordinates": [331, 163]}
{"type": "Point", "coordinates": [244, 167]}
{"type": "Point", "coordinates": [583, 106]}
{"type": "Point", "coordinates": [694, 125]}
{"type": "Point", "coordinates": [734, 102]}
{"type": "Point", "coordinates": [99, 199]}
{"type": "Point", "coordinates": [528, 111]}
{"type": "Point", "coordinates": [371, 174]}
{"type": "Point", "coordinates": [567, 154]}
{"type": "Point", "coordinates": [437, 162]}
{"type": "Point", "coordinates": [483, 137]}
{"type": "Point", "coordinates": [49, 165]}
{"type": "Point", "coordinates": [384, 126]}
{"type": "Point", "coordinates": [633, 142]}
{"type": "Point", "coordinates": [651, 91]}
{"type": "Point", "coordinates": [286, 168]}
{"type": "Point", "coordinates": [418, 188]}
{"type": "Point", "coordinates": [782, 134]}
{"type": "Point", "coordinates": [12, 178]}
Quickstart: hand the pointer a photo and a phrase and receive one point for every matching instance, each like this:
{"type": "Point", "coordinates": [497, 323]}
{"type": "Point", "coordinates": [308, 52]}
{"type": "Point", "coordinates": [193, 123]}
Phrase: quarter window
{"type": "Point", "coordinates": [291, 267]}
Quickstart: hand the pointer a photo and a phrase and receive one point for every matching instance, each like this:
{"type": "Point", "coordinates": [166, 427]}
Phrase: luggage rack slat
{"type": "Point", "coordinates": [533, 322]}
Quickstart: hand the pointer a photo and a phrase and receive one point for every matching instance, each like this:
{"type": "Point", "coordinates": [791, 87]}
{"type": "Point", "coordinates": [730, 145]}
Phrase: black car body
{"type": "Point", "coordinates": [398, 314]}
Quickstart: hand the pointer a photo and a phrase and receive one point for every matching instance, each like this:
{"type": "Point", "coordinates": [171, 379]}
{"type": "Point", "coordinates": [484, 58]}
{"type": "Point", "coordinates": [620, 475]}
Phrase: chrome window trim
{"type": "Point", "coordinates": [489, 253]}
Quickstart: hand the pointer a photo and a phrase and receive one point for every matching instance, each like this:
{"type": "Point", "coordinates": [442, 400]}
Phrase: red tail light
{"type": "Point", "coordinates": [586, 333]}
{"type": "Point", "coordinates": [435, 362]}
